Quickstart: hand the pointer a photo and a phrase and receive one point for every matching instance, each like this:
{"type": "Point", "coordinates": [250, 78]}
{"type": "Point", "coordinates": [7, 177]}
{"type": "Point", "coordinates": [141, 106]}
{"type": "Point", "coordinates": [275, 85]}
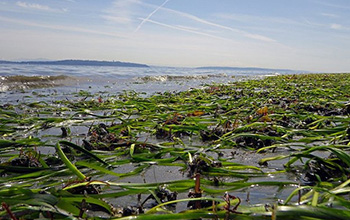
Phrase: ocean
{"type": "Point", "coordinates": [17, 80]}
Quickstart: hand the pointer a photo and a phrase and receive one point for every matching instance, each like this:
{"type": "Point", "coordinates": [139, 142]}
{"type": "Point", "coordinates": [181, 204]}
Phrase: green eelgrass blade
{"type": "Point", "coordinates": [154, 209]}
{"type": "Point", "coordinates": [88, 153]}
{"type": "Point", "coordinates": [315, 198]}
{"type": "Point", "coordinates": [7, 143]}
{"type": "Point", "coordinates": [95, 166]}
{"type": "Point", "coordinates": [192, 214]}
{"type": "Point", "coordinates": [69, 164]}
{"type": "Point", "coordinates": [344, 156]}
{"type": "Point", "coordinates": [18, 169]}
{"type": "Point", "coordinates": [67, 207]}
{"type": "Point", "coordinates": [88, 200]}
{"type": "Point", "coordinates": [307, 212]}
{"type": "Point", "coordinates": [132, 150]}
{"type": "Point", "coordinates": [147, 186]}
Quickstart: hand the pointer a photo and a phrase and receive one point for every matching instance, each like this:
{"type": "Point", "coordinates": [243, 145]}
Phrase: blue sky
{"type": "Point", "coordinates": [309, 35]}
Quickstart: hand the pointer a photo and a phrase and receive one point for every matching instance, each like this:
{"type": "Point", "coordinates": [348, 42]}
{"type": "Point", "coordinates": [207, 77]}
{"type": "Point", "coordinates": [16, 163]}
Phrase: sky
{"type": "Point", "coordinates": [310, 35]}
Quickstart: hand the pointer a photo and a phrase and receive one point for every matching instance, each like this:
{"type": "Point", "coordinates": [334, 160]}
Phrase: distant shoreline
{"type": "Point", "coordinates": [72, 62]}
{"type": "Point", "coordinates": [77, 63]}
{"type": "Point", "coordinates": [223, 68]}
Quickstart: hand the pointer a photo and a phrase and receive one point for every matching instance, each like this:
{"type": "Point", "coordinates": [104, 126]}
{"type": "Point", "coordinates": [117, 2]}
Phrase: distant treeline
{"type": "Point", "coordinates": [77, 63]}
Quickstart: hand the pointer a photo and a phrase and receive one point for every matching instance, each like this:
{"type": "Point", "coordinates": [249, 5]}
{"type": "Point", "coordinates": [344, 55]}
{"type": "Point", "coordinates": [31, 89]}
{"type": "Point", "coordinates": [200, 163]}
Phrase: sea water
{"type": "Point", "coordinates": [17, 80]}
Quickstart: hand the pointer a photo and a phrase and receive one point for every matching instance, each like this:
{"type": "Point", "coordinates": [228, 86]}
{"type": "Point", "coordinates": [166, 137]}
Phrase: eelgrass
{"type": "Point", "coordinates": [301, 121]}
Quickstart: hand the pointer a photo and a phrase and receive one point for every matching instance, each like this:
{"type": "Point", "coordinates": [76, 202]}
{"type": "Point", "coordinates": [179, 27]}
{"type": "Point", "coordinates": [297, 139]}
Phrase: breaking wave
{"type": "Point", "coordinates": [165, 78]}
{"type": "Point", "coordinates": [20, 82]}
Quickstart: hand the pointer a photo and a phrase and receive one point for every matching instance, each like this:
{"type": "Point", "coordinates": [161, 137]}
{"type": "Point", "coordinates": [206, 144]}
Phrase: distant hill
{"type": "Point", "coordinates": [77, 63]}
{"type": "Point", "coordinates": [244, 69]}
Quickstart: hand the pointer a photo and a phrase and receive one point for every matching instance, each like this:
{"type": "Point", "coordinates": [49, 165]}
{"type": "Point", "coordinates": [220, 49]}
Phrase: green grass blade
{"type": "Point", "coordinates": [86, 152]}
{"type": "Point", "coordinates": [69, 164]}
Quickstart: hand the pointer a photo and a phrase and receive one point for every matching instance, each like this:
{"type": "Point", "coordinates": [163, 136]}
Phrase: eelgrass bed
{"type": "Point", "coordinates": [276, 148]}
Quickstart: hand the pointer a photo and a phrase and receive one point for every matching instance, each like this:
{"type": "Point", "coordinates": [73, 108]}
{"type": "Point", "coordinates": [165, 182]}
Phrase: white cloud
{"type": "Point", "coordinates": [61, 27]}
{"type": "Point", "coordinates": [252, 19]}
{"type": "Point", "coordinates": [344, 7]}
{"type": "Point", "coordinates": [117, 19]}
{"type": "Point", "coordinates": [336, 26]}
{"type": "Point", "coordinates": [330, 15]}
{"type": "Point", "coordinates": [38, 7]}
{"type": "Point", "coordinates": [333, 26]}
{"type": "Point", "coordinates": [122, 12]}
{"type": "Point", "coordinates": [259, 37]}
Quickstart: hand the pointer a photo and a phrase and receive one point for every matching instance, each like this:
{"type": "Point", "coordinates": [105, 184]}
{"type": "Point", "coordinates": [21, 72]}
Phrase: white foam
{"type": "Point", "coordinates": [165, 78]}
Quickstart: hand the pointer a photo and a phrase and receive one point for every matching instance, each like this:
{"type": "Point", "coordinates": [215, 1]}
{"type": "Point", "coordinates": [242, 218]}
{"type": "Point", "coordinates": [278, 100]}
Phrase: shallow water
{"type": "Point", "coordinates": [18, 81]}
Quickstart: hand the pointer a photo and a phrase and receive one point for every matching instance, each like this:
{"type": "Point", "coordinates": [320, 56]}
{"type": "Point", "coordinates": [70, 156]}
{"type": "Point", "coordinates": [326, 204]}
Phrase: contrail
{"type": "Point", "coordinates": [150, 15]}
{"type": "Point", "coordinates": [186, 30]}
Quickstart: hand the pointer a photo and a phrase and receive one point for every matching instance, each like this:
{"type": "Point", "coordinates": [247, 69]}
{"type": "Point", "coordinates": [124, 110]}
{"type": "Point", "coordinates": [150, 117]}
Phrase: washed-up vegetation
{"type": "Point", "coordinates": [276, 148]}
